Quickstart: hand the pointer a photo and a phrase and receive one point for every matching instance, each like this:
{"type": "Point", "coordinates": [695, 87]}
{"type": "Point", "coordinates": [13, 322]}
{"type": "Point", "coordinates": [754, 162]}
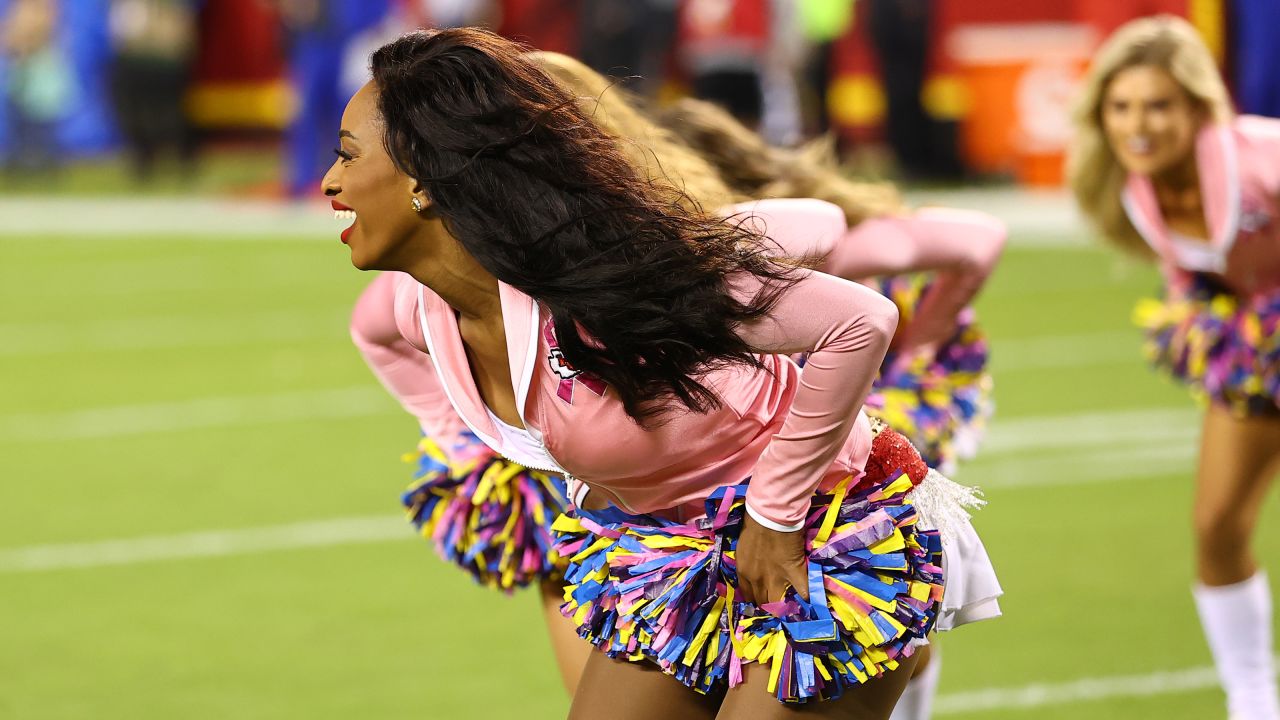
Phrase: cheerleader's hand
{"type": "Point", "coordinates": [923, 333]}
{"type": "Point", "coordinates": [769, 561]}
{"type": "Point", "coordinates": [914, 356]}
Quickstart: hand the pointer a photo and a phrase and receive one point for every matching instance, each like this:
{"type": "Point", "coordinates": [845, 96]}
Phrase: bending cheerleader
{"type": "Point", "coordinates": [1166, 171]}
{"type": "Point", "coordinates": [578, 322]}
{"type": "Point", "coordinates": [934, 386]}
{"type": "Point", "coordinates": [487, 514]}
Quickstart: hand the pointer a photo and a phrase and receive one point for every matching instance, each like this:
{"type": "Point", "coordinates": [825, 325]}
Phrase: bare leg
{"type": "Point", "coordinates": [916, 702]}
{"type": "Point", "coordinates": [621, 690]}
{"type": "Point", "coordinates": [570, 650]}
{"type": "Point", "coordinates": [1238, 461]}
{"type": "Point", "coordinates": [1239, 457]}
{"type": "Point", "coordinates": [873, 700]}
{"type": "Point", "coordinates": [923, 656]}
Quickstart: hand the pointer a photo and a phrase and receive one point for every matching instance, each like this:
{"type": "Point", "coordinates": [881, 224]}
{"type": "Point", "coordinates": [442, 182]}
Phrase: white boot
{"type": "Point", "coordinates": [1237, 623]}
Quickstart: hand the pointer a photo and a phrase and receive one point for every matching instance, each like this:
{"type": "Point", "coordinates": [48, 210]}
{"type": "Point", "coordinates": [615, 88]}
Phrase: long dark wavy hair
{"type": "Point", "coordinates": [637, 286]}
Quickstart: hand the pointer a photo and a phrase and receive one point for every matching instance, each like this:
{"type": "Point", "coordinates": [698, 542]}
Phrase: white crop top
{"type": "Point", "coordinates": [521, 446]}
{"type": "Point", "coordinates": [1197, 255]}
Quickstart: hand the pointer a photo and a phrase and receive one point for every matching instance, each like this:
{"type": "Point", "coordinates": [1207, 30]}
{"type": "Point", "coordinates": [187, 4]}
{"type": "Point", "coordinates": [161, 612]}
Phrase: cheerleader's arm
{"type": "Point", "coordinates": [961, 246]}
{"type": "Point", "coordinates": [401, 365]}
{"type": "Point", "coordinates": [845, 328]}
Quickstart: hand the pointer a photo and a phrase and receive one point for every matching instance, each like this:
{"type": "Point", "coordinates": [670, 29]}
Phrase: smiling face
{"type": "Point", "coordinates": [367, 189]}
{"type": "Point", "coordinates": [1149, 120]}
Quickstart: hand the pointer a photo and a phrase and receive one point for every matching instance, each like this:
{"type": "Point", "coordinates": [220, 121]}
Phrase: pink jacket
{"type": "Point", "coordinates": [1239, 165]}
{"type": "Point", "coordinates": [961, 246]}
{"type": "Point", "coordinates": [789, 434]}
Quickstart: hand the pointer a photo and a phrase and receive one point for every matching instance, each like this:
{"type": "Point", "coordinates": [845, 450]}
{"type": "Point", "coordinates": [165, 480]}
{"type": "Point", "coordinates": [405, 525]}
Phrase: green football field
{"type": "Point", "coordinates": [200, 513]}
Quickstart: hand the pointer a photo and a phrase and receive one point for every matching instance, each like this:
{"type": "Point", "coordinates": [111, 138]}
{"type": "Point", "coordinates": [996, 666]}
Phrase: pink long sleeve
{"type": "Point", "coordinates": [1262, 138]}
{"type": "Point", "coordinates": [404, 370]}
{"type": "Point", "coordinates": [846, 329]}
{"type": "Point", "coordinates": [801, 228]}
{"type": "Point", "coordinates": [961, 246]}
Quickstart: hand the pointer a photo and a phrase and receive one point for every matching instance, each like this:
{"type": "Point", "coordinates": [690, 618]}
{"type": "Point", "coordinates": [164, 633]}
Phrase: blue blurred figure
{"type": "Point", "coordinates": [1257, 56]}
{"type": "Point", "coordinates": [318, 32]}
{"type": "Point", "coordinates": [38, 86]}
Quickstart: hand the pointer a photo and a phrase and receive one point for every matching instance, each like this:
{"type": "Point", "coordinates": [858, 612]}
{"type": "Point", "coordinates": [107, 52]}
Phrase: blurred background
{"type": "Point", "coordinates": [242, 95]}
{"type": "Point", "coordinates": [199, 478]}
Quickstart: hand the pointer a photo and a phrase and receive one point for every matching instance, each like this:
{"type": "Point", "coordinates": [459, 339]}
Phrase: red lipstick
{"type": "Point", "coordinates": [337, 207]}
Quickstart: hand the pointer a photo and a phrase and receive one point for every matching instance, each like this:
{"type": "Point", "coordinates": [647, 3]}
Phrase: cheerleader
{"type": "Point", "coordinates": [579, 323]}
{"type": "Point", "coordinates": [1166, 170]}
{"type": "Point", "coordinates": [484, 513]}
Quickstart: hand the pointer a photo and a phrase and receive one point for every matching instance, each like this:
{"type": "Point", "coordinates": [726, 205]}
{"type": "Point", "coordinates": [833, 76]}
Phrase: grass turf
{"type": "Point", "coordinates": [1096, 572]}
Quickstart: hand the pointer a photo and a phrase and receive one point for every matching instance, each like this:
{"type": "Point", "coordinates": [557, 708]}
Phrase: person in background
{"type": "Point", "coordinates": [318, 33]}
{"type": "Point", "coordinates": [1167, 171]}
{"type": "Point", "coordinates": [743, 55]}
{"type": "Point", "coordinates": [153, 43]}
{"type": "Point", "coordinates": [405, 16]}
{"type": "Point", "coordinates": [900, 33]}
{"type": "Point", "coordinates": [722, 46]}
{"type": "Point", "coordinates": [628, 39]}
{"type": "Point", "coordinates": [821, 22]}
{"type": "Point", "coordinates": [782, 122]}
{"type": "Point", "coordinates": [486, 514]}
{"type": "Point", "coordinates": [38, 89]}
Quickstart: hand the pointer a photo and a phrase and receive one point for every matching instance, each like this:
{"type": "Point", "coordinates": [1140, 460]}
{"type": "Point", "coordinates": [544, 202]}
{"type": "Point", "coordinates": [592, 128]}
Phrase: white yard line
{"type": "Point", "coordinates": [1012, 435]}
{"type": "Point", "coordinates": [203, 218]}
{"type": "Point", "coordinates": [201, 413]}
{"type": "Point", "coordinates": [357, 530]}
{"type": "Point", "coordinates": [1039, 695]}
{"type": "Point", "coordinates": [1116, 427]}
{"type": "Point", "coordinates": [1034, 218]}
{"type": "Point", "coordinates": [198, 331]}
{"type": "Point", "coordinates": [1083, 465]}
{"type": "Point", "coordinates": [213, 543]}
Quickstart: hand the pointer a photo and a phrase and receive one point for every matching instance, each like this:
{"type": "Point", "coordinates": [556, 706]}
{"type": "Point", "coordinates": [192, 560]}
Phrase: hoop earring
{"type": "Point", "coordinates": [417, 205]}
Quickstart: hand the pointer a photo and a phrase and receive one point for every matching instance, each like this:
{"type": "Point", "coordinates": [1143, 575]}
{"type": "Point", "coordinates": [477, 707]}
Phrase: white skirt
{"type": "Point", "coordinates": [971, 591]}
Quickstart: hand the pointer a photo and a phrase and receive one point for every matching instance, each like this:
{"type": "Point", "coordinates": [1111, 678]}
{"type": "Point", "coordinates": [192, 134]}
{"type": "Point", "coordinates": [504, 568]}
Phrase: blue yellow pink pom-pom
{"type": "Point", "coordinates": [489, 516]}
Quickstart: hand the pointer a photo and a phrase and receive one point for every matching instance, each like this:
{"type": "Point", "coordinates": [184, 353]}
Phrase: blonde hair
{"type": "Point", "coordinates": [1093, 172]}
{"type": "Point", "coordinates": [649, 146]}
{"type": "Point", "coordinates": [755, 169]}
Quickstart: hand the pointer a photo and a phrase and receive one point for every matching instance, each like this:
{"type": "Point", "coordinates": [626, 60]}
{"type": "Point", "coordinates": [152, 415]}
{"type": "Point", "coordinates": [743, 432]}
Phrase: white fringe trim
{"type": "Point", "coordinates": [943, 504]}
